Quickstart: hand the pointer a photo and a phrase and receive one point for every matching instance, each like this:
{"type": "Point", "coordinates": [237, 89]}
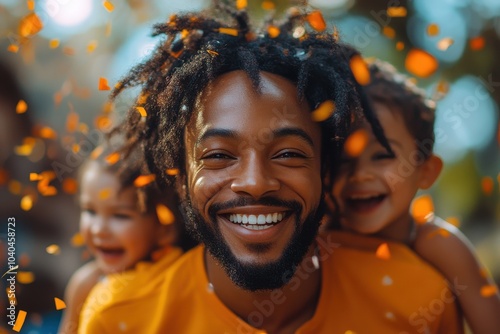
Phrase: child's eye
{"type": "Point", "coordinates": [382, 156]}
{"type": "Point", "coordinates": [88, 211]}
{"type": "Point", "coordinates": [122, 216]}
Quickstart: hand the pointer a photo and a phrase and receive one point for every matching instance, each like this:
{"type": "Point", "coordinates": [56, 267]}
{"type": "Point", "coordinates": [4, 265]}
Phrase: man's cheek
{"type": "Point", "coordinates": [205, 188]}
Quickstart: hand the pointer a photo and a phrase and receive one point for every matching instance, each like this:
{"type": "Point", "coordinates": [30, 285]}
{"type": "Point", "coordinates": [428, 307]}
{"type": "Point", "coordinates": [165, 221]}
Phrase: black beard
{"type": "Point", "coordinates": [254, 277]}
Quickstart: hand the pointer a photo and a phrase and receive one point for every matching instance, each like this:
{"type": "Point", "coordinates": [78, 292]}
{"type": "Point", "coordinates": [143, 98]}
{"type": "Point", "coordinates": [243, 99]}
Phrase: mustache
{"type": "Point", "coordinates": [248, 201]}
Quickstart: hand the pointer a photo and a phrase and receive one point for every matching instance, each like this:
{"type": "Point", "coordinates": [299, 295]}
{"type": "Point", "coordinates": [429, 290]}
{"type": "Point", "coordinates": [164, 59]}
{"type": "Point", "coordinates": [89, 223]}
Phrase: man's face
{"type": "Point", "coordinates": [253, 177]}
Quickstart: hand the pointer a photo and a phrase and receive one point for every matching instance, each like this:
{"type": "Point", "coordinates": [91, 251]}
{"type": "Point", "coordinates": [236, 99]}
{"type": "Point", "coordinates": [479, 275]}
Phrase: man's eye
{"type": "Point", "coordinates": [216, 156]}
{"type": "Point", "coordinates": [290, 155]}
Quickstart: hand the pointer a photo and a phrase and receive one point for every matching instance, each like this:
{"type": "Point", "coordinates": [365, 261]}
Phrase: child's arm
{"type": "Point", "coordinates": [447, 249]}
{"type": "Point", "coordinates": [79, 286]}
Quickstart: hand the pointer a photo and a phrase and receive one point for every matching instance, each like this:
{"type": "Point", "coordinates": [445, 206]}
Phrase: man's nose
{"type": "Point", "coordinates": [255, 177]}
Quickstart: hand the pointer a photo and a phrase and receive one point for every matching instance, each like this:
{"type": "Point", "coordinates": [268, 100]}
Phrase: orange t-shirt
{"type": "Point", "coordinates": [122, 302]}
{"type": "Point", "coordinates": [360, 293]}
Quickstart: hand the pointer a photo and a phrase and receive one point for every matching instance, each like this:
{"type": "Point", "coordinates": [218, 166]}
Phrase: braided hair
{"type": "Point", "coordinates": [200, 47]}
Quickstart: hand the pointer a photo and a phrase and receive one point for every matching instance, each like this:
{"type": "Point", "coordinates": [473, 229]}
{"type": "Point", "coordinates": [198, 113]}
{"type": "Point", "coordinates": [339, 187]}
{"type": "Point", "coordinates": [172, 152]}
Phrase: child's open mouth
{"type": "Point", "coordinates": [365, 203]}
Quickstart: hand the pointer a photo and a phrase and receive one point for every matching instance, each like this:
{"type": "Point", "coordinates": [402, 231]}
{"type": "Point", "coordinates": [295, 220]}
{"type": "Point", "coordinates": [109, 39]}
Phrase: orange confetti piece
{"type": "Point", "coordinates": [104, 193]}
{"type": "Point", "coordinates": [70, 186]}
{"type": "Point", "coordinates": [212, 53]}
{"type": "Point", "coordinates": [25, 277]}
{"type": "Point", "coordinates": [35, 177]}
{"type": "Point", "coordinates": [421, 63]}
{"type": "Point", "coordinates": [26, 148]}
{"type": "Point", "coordinates": [3, 176]}
{"type": "Point", "coordinates": [142, 98]}
{"type": "Point", "coordinates": [396, 11]}
{"type": "Point", "coordinates": [26, 203]}
{"type": "Point", "coordinates": [54, 43]}
{"type": "Point", "coordinates": [432, 29]}
{"type": "Point", "coordinates": [58, 98]}
{"type": "Point", "coordinates": [47, 133]}
{"type": "Point", "coordinates": [484, 273]}
{"type": "Point", "coordinates": [229, 31]}
{"type": "Point", "coordinates": [60, 304]}
{"type": "Point", "coordinates": [96, 152]}
{"type": "Point", "coordinates": [165, 216]}
{"type": "Point", "coordinates": [103, 84]}
{"type": "Point", "coordinates": [422, 209]}
{"type": "Point", "coordinates": [453, 221]}
{"type": "Point", "coordinates": [113, 158]}
{"type": "Point", "coordinates": [356, 143]}
{"type": "Point", "coordinates": [477, 43]}
{"type": "Point", "coordinates": [324, 111]}
{"type": "Point", "coordinates": [445, 43]}
{"type": "Point", "coordinates": [31, 5]}
{"type": "Point", "coordinates": [360, 70]}
{"type": "Point", "coordinates": [141, 111]}
{"type": "Point", "coordinates": [172, 171]}
{"type": "Point", "coordinates": [77, 240]}
{"type": "Point", "coordinates": [143, 180]}
{"type": "Point", "coordinates": [24, 260]}
{"type": "Point", "coordinates": [268, 5]}
{"type": "Point", "coordinates": [273, 31]}
{"type": "Point", "coordinates": [241, 4]}
{"type": "Point", "coordinates": [103, 122]}
{"type": "Point", "coordinates": [15, 187]}
{"type": "Point", "coordinates": [13, 48]}
{"type": "Point", "coordinates": [69, 51]}
{"type": "Point", "coordinates": [389, 32]}
{"type": "Point", "coordinates": [21, 317]}
{"type": "Point", "coordinates": [489, 290]}
{"type": "Point", "coordinates": [400, 46]}
{"type": "Point", "coordinates": [72, 121]}
{"type": "Point", "coordinates": [487, 185]}
{"type": "Point", "coordinates": [316, 20]}
{"type": "Point", "coordinates": [53, 249]}
{"type": "Point", "coordinates": [383, 252]}
{"type": "Point", "coordinates": [108, 29]}
{"type": "Point", "coordinates": [92, 46]}
{"type": "Point", "coordinates": [30, 25]}
{"type": "Point", "coordinates": [443, 87]}
{"type": "Point", "coordinates": [21, 107]}
{"type": "Point", "coordinates": [443, 232]}
{"type": "Point", "coordinates": [108, 5]}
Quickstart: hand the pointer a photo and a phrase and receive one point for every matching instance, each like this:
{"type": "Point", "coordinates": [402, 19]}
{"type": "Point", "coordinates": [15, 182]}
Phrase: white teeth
{"type": "Point", "coordinates": [258, 220]}
{"type": "Point", "coordinates": [257, 227]}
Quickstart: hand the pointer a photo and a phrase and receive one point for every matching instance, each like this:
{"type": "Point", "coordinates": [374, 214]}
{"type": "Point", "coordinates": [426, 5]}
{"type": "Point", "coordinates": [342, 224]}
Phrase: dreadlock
{"type": "Point", "coordinates": [199, 48]}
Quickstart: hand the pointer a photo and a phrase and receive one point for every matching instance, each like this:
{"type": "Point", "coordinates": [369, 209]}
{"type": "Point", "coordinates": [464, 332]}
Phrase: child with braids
{"type": "Point", "coordinates": [131, 229]}
{"type": "Point", "coordinates": [373, 192]}
{"type": "Point", "coordinates": [248, 118]}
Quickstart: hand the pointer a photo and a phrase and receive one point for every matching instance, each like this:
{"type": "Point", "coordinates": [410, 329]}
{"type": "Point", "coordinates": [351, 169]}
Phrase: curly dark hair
{"type": "Point", "coordinates": [402, 96]}
{"type": "Point", "coordinates": [200, 47]}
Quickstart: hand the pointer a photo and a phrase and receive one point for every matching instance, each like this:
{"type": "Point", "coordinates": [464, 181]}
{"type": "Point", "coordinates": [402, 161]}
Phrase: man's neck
{"type": "Point", "coordinates": [282, 310]}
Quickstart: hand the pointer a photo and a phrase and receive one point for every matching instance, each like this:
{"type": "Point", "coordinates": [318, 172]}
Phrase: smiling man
{"type": "Point", "coordinates": [246, 124]}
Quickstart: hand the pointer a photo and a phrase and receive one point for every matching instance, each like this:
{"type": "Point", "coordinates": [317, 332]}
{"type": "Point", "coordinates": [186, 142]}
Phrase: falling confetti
{"type": "Point", "coordinates": [60, 304]}
{"type": "Point", "coordinates": [43, 185]}
{"type": "Point", "coordinates": [324, 111]}
{"type": "Point", "coordinates": [165, 216]}
{"type": "Point", "coordinates": [35, 177]}
{"type": "Point", "coordinates": [109, 28]}
{"type": "Point", "coordinates": [241, 4]}
{"type": "Point", "coordinates": [30, 25]}
{"type": "Point", "coordinates": [442, 232]}
{"type": "Point", "coordinates": [421, 63]}
{"type": "Point", "coordinates": [31, 5]}
{"type": "Point", "coordinates": [400, 46]}
{"type": "Point", "coordinates": [92, 46]}
{"type": "Point", "coordinates": [143, 180]}
{"type": "Point", "coordinates": [15, 187]}
{"type": "Point", "coordinates": [70, 186]}
{"type": "Point", "coordinates": [489, 290]}
{"type": "Point", "coordinates": [25, 277]}
{"type": "Point", "coordinates": [360, 70]}
{"type": "Point", "coordinates": [142, 98]}
{"type": "Point", "coordinates": [141, 111]}
{"type": "Point", "coordinates": [432, 29]}
{"type": "Point", "coordinates": [21, 107]}
{"type": "Point", "coordinates": [422, 209]}
{"type": "Point", "coordinates": [69, 51]}
{"type": "Point", "coordinates": [53, 249]}
{"type": "Point", "coordinates": [477, 43]}
{"type": "Point", "coordinates": [487, 185]}
{"type": "Point", "coordinates": [72, 121]}
{"type": "Point", "coordinates": [24, 260]}
{"type": "Point", "coordinates": [273, 31]}
{"type": "Point", "coordinates": [396, 11]}
{"type": "Point", "coordinates": [445, 43]}
{"type": "Point", "coordinates": [103, 84]}
{"type": "Point", "coordinates": [21, 317]}
{"type": "Point", "coordinates": [316, 20]}
{"type": "Point", "coordinates": [389, 32]}
{"type": "Point", "coordinates": [96, 152]}
{"type": "Point", "coordinates": [113, 158]}
{"type": "Point", "coordinates": [212, 53]}
{"type": "Point", "coordinates": [172, 171]}
{"type": "Point", "coordinates": [103, 122]}
{"type": "Point", "coordinates": [453, 221]}
{"type": "Point", "coordinates": [268, 5]}
{"type": "Point", "coordinates": [356, 143]}
{"type": "Point", "coordinates": [26, 203]}
{"type": "Point", "coordinates": [54, 43]}
{"type": "Point", "coordinates": [104, 193]}
{"type": "Point", "coordinates": [383, 252]}
{"type": "Point", "coordinates": [13, 48]}
{"type": "Point", "coordinates": [229, 31]}
{"type": "Point", "coordinates": [77, 240]}
{"type": "Point", "coordinates": [108, 5]}
{"type": "Point", "coordinates": [443, 87]}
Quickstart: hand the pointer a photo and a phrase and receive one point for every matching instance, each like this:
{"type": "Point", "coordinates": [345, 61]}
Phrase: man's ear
{"type": "Point", "coordinates": [430, 171]}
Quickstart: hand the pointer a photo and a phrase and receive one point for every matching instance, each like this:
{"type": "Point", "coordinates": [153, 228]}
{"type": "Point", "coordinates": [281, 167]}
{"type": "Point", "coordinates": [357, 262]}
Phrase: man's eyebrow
{"type": "Point", "coordinates": [224, 133]}
{"type": "Point", "coordinates": [296, 132]}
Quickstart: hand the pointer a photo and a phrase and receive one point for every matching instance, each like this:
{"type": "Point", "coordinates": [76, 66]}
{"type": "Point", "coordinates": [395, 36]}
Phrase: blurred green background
{"type": "Point", "coordinates": [58, 70]}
